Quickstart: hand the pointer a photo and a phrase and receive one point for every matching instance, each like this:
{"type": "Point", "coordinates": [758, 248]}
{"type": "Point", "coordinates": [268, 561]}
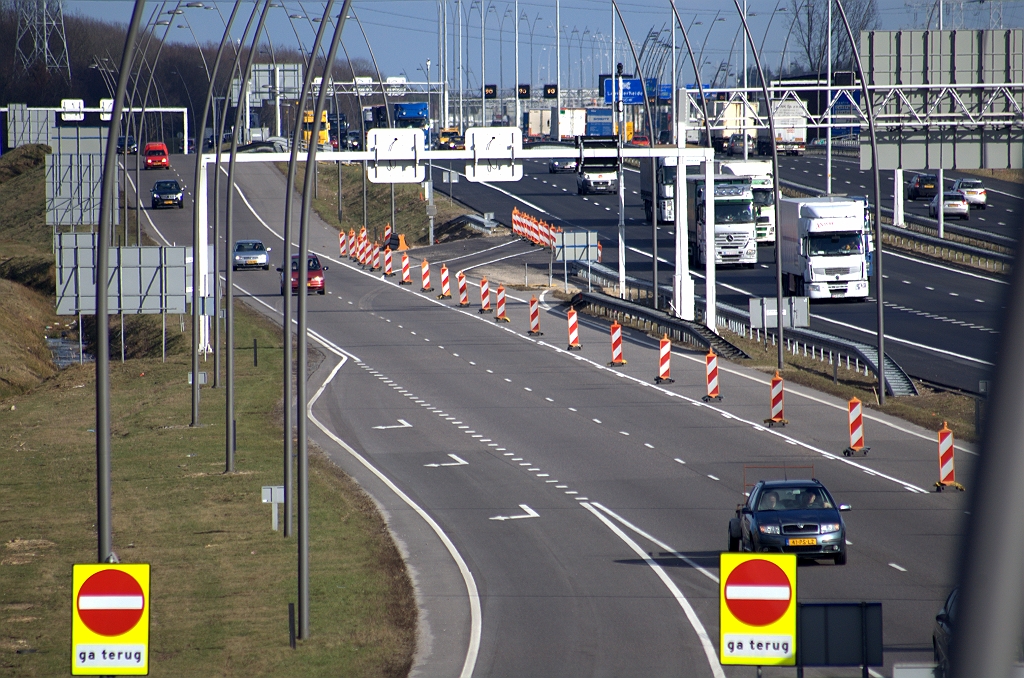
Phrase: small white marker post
{"type": "Point", "coordinates": [273, 495]}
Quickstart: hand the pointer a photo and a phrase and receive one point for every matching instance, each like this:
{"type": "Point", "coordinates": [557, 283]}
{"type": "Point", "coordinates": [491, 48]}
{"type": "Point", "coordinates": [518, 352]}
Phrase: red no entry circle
{"type": "Point", "coordinates": [110, 602]}
{"type": "Point", "coordinates": [758, 592]}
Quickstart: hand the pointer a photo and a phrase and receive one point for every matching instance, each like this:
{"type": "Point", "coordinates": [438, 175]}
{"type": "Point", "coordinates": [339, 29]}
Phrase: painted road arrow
{"type": "Point", "coordinates": [457, 462]}
{"type": "Point", "coordinates": [402, 423]}
{"type": "Point", "coordinates": [530, 513]}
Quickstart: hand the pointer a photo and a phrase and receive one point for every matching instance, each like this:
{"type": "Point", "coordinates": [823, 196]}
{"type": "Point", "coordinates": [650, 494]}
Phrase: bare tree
{"type": "Point", "coordinates": [810, 30]}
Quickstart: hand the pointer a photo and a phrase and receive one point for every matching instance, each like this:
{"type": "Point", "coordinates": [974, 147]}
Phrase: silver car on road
{"type": "Point", "coordinates": [954, 204]}
{"type": "Point", "coordinates": [974, 191]}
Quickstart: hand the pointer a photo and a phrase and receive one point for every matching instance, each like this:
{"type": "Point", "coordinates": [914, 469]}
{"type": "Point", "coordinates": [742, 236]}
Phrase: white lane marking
{"type": "Point", "coordinates": [625, 433]}
{"type": "Point", "coordinates": [944, 268]}
{"type": "Point", "coordinates": [897, 567]}
{"type": "Point", "coordinates": [530, 513]}
{"type": "Point", "coordinates": [457, 462]}
{"type": "Point", "coordinates": [691, 615]}
{"type": "Point", "coordinates": [713, 477]}
{"type": "Point", "coordinates": [473, 254]}
{"type": "Point", "coordinates": [596, 421]}
{"type": "Point", "coordinates": [680, 461]}
{"type": "Point", "coordinates": [649, 445]}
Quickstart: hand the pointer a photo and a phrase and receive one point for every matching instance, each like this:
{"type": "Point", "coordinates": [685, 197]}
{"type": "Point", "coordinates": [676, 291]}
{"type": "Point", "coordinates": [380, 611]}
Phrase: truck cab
{"type": "Point", "coordinates": [734, 227]}
{"type": "Point", "coordinates": [826, 244]}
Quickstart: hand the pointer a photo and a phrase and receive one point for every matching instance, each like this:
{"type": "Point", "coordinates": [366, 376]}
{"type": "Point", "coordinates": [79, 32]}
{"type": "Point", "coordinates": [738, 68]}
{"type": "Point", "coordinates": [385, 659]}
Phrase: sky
{"type": "Point", "coordinates": [403, 34]}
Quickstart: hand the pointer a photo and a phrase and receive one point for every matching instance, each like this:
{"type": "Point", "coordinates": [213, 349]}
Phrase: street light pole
{"type": "Point", "coordinates": [519, 121]}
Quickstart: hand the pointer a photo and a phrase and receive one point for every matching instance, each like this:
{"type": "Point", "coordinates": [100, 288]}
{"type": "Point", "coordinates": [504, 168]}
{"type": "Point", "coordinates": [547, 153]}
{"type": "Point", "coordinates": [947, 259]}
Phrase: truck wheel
{"type": "Point", "coordinates": [734, 535]}
{"type": "Point", "coordinates": [801, 290]}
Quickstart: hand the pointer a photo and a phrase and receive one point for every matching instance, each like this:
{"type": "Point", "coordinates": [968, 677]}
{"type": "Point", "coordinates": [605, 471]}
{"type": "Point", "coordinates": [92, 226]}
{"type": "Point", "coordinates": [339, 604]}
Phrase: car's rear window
{"type": "Point", "coordinates": [970, 183]}
{"type": "Point", "coordinates": [952, 195]}
{"type": "Point", "coordinates": [928, 178]}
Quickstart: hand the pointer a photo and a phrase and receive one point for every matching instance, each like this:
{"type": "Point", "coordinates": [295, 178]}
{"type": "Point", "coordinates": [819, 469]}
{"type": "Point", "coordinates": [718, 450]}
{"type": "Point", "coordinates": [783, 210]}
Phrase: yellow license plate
{"type": "Point", "coordinates": [251, 262]}
{"type": "Point", "coordinates": [803, 542]}
{"type": "Point", "coordinates": [929, 185]}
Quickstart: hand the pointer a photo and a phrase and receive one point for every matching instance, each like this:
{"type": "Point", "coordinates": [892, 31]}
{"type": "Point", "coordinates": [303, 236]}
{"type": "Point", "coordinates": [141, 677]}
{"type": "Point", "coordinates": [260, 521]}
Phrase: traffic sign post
{"type": "Point", "coordinates": [110, 620]}
{"type": "Point", "coordinates": [757, 609]}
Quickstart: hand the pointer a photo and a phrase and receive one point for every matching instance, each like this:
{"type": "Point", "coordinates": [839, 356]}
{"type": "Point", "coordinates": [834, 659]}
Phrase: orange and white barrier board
{"type": "Point", "coordinates": [664, 361]}
{"type": "Point", "coordinates": [535, 317]}
{"type": "Point", "coordinates": [711, 372]}
{"type": "Point", "coordinates": [533, 229]}
{"type": "Point", "coordinates": [361, 256]}
{"type": "Point", "coordinates": [425, 275]}
{"type": "Point", "coordinates": [617, 358]}
{"type": "Point", "coordinates": [387, 232]}
{"type": "Point", "coordinates": [388, 270]}
{"type": "Point", "coordinates": [463, 290]}
{"type": "Point", "coordinates": [777, 402]}
{"type": "Point", "coordinates": [446, 292]}
{"type": "Point", "coordinates": [856, 418]}
{"type": "Point", "coordinates": [376, 258]}
{"type": "Point", "coordinates": [574, 331]}
{"type": "Point", "coordinates": [500, 315]}
{"type": "Point", "coordinates": [352, 243]}
{"type": "Point", "coordinates": [947, 470]}
{"type": "Point", "coordinates": [406, 276]}
{"type": "Point", "coordinates": [342, 244]}
{"type": "Point", "coordinates": [485, 296]}
{"type": "Point", "coordinates": [600, 252]}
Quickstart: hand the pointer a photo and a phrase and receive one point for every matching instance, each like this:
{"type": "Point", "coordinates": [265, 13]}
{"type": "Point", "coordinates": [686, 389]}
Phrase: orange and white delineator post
{"type": "Point", "coordinates": [342, 244]}
{"type": "Point", "coordinates": [352, 243]}
{"type": "Point", "coordinates": [664, 361]}
{"type": "Point", "coordinates": [361, 250]}
{"type": "Point", "coordinates": [387, 233]}
{"type": "Point", "coordinates": [463, 291]}
{"type": "Point", "coordinates": [856, 408]}
{"type": "Point", "coordinates": [711, 372]}
{"type": "Point", "coordinates": [425, 275]}
{"type": "Point", "coordinates": [535, 316]}
{"type": "Point", "coordinates": [600, 252]}
{"type": "Point", "coordinates": [500, 315]}
{"type": "Point", "coordinates": [617, 358]}
{"type": "Point", "coordinates": [574, 331]}
{"type": "Point", "coordinates": [777, 398]}
{"type": "Point", "coordinates": [947, 471]}
{"type": "Point", "coordinates": [406, 276]}
{"type": "Point", "coordinates": [388, 270]}
{"type": "Point", "coordinates": [446, 291]}
{"type": "Point", "coordinates": [376, 258]}
{"type": "Point", "coordinates": [485, 296]}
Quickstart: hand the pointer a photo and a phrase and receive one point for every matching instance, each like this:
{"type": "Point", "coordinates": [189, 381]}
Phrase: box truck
{"type": "Point", "coordinates": [825, 247]}
{"type": "Point", "coordinates": [567, 123]}
{"type": "Point", "coordinates": [734, 238]}
{"type": "Point", "coordinates": [790, 130]}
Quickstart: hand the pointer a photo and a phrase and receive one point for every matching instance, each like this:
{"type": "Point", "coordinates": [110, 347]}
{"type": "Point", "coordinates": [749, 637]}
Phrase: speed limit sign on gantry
{"type": "Point", "coordinates": [758, 609]}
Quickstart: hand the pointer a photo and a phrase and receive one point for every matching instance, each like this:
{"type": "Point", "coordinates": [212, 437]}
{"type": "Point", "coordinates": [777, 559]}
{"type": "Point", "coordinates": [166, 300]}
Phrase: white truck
{"type": "Point", "coordinates": [790, 130]}
{"type": "Point", "coordinates": [735, 241]}
{"type": "Point", "coordinates": [762, 182]}
{"type": "Point", "coordinates": [825, 246]}
{"type": "Point", "coordinates": [567, 123]}
{"type": "Point", "coordinates": [666, 182]}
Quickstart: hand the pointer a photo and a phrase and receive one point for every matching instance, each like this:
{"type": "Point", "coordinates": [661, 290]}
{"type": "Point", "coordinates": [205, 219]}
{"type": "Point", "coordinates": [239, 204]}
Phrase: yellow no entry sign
{"type": "Point", "coordinates": [110, 620]}
{"type": "Point", "coordinates": [757, 609]}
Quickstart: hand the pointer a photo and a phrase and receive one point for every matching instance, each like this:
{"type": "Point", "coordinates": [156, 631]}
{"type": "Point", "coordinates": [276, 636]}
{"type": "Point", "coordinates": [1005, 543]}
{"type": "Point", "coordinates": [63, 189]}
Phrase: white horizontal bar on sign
{"type": "Point", "coordinates": [110, 602]}
{"type": "Point", "coordinates": [741, 592]}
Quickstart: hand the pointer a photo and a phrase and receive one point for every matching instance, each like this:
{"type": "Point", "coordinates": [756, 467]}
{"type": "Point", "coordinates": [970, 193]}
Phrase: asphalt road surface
{"type": "Point", "coordinates": [561, 517]}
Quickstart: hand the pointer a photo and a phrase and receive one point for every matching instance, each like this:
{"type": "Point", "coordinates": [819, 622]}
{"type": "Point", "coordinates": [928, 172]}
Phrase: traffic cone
{"type": "Point", "coordinates": [387, 233]}
{"type": "Point", "coordinates": [856, 418]}
{"type": "Point", "coordinates": [778, 397]}
{"type": "Point", "coordinates": [947, 471]}
{"type": "Point", "coordinates": [425, 275]}
{"type": "Point", "coordinates": [361, 244]}
{"type": "Point", "coordinates": [500, 315]}
{"type": "Point", "coordinates": [485, 296]}
{"type": "Point", "coordinates": [352, 243]}
{"type": "Point", "coordinates": [388, 272]}
{"type": "Point", "coordinates": [401, 243]}
{"type": "Point", "coordinates": [617, 359]}
{"type": "Point", "coordinates": [574, 331]}
{"type": "Point", "coordinates": [711, 371]}
{"type": "Point", "coordinates": [376, 258]}
{"type": "Point", "coordinates": [600, 252]}
{"type": "Point", "coordinates": [342, 244]}
{"type": "Point", "coordinates": [406, 277]}
{"type": "Point", "coordinates": [535, 316]}
{"type": "Point", "coordinates": [463, 291]}
{"type": "Point", "coordinates": [664, 362]}
{"type": "Point", "coordinates": [446, 292]}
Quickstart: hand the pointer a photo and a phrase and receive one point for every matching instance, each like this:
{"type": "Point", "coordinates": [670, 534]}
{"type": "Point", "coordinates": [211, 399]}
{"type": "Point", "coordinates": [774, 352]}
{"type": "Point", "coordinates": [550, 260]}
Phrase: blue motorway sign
{"type": "Point", "coordinates": [632, 90]}
{"type": "Point", "coordinates": [665, 91]}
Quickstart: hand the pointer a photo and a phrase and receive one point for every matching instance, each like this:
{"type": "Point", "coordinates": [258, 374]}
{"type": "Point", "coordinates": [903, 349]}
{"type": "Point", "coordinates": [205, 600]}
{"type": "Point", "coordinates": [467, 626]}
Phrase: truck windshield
{"type": "Point", "coordinates": [834, 244]}
{"type": "Point", "coordinates": [668, 176]}
{"type": "Point", "coordinates": [734, 213]}
{"type": "Point", "coordinates": [410, 122]}
{"type": "Point", "coordinates": [763, 197]}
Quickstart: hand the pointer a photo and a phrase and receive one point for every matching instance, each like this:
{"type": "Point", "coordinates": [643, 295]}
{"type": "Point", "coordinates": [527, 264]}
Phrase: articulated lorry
{"type": "Point", "coordinates": [762, 182]}
{"type": "Point", "coordinates": [734, 237]}
{"type": "Point", "coordinates": [825, 247]}
{"type": "Point", "coordinates": [666, 183]}
{"type": "Point", "coordinates": [790, 130]}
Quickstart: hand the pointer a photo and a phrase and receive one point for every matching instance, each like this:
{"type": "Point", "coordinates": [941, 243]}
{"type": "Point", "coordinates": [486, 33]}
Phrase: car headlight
{"type": "Point", "coordinates": [829, 527]}
{"type": "Point", "coordinates": [769, 529]}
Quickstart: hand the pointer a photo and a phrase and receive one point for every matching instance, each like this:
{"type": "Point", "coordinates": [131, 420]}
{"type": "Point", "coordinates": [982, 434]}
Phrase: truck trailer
{"type": "Point", "coordinates": [665, 176]}
{"type": "Point", "coordinates": [790, 130]}
{"type": "Point", "coordinates": [825, 247]}
{"type": "Point", "coordinates": [734, 237]}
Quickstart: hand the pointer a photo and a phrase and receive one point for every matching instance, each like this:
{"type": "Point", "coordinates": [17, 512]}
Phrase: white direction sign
{"type": "Point", "coordinates": [396, 156]}
{"type": "Point", "coordinates": [402, 423]}
{"type": "Point", "coordinates": [530, 513]}
{"type": "Point", "coordinates": [496, 153]}
{"type": "Point", "coordinates": [457, 462]}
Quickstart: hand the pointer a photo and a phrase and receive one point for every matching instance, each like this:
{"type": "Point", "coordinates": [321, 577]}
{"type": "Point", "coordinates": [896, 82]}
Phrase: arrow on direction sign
{"type": "Point", "coordinates": [402, 423]}
{"type": "Point", "coordinates": [457, 462]}
{"type": "Point", "coordinates": [530, 513]}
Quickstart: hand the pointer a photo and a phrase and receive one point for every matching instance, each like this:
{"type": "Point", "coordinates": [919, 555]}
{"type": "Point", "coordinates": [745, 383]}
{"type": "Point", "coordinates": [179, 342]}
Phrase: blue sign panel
{"type": "Point", "coordinates": [632, 91]}
{"type": "Point", "coordinates": [665, 91]}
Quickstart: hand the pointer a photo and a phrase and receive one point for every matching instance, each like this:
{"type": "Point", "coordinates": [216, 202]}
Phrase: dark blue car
{"type": "Point", "coordinates": [790, 516]}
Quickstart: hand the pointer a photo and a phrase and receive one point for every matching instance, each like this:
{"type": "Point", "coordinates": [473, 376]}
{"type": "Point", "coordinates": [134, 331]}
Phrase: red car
{"type": "Point", "coordinates": [314, 275]}
{"type": "Point", "coordinates": [640, 140]}
{"type": "Point", "coordinates": [157, 156]}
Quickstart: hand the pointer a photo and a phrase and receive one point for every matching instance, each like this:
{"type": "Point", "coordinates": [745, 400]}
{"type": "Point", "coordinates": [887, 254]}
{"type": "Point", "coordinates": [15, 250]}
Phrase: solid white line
{"type": "Point", "coordinates": [691, 615]}
{"type": "Point", "coordinates": [100, 602]}
{"type": "Point", "coordinates": [897, 567]}
{"type": "Point", "coordinates": [745, 592]}
{"type": "Point", "coordinates": [473, 254]}
{"type": "Point", "coordinates": [945, 268]}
